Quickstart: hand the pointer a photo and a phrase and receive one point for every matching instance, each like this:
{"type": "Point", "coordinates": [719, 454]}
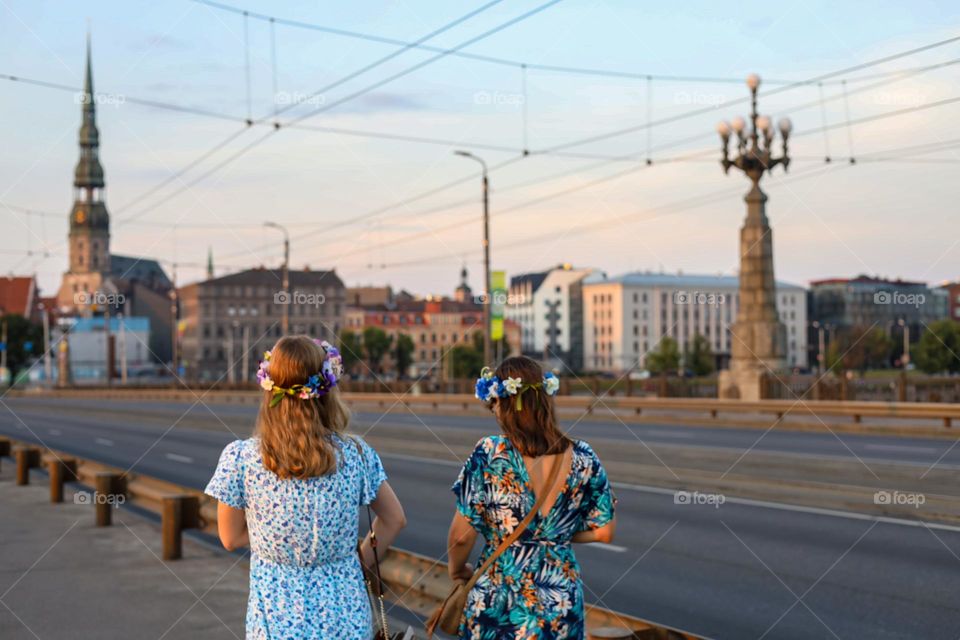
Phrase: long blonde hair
{"type": "Point", "coordinates": [296, 435]}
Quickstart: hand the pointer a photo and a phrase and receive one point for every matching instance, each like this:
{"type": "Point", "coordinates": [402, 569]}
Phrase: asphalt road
{"type": "Point", "coordinates": [738, 570]}
{"type": "Point", "coordinates": [895, 449]}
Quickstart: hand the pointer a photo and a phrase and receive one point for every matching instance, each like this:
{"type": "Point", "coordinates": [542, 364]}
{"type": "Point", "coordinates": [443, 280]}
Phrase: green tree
{"type": "Point", "coordinates": [376, 344]}
{"type": "Point", "coordinates": [466, 360]}
{"type": "Point", "coordinates": [403, 354]}
{"type": "Point", "coordinates": [700, 358]}
{"type": "Point", "coordinates": [859, 348]}
{"type": "Point", "coordinates": [351, 349]}
{"type": "Point", "coordinates": [938, 350]}
{"type": "Point", "coordinates": [24, 342]}
{"type": "Point", "coordinates": [666, 358]}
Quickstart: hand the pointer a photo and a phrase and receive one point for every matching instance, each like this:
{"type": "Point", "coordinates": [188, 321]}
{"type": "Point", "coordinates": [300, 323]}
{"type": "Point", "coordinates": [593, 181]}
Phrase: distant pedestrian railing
{"type": "Point", "coordinates": [891, 387]}
{"type": "Point", "coordinates": [799, 413]}
{"type": "Point", "coordinates": [413, 581]}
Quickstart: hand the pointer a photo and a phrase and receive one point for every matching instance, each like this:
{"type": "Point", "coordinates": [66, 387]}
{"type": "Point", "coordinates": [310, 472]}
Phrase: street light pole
{"type": "Point", "coordinates": [486, 257]}
{"type": "Point", "coordinates": [47, 365]}
{"type": "Point", "coordinates": [285, 319]}
{"type": "Point", "coordinates": [759, 337]}
{"type": "Point", "coordinates": [905, 360]}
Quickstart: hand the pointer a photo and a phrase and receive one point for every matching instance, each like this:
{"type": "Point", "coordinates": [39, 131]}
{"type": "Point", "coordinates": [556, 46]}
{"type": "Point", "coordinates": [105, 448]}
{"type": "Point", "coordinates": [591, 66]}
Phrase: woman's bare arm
{"type": "Point", "coordinates": [232, 527]}
{"type": "Point", "coordinates": [602, 534]}
{"type": "Point", "coordinates": [387, 525]}
{"type": "Point", "coordinates": [460, 542]}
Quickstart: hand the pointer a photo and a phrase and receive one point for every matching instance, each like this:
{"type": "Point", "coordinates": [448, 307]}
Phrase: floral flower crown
{"type": "Point", "coordinates": [319, 384]}
{"type": "Point", "coordinates": [490, 386]}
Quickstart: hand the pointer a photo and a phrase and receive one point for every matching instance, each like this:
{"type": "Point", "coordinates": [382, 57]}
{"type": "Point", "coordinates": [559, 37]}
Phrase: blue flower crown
{"type": "Point", "coordinates": [490, 386]}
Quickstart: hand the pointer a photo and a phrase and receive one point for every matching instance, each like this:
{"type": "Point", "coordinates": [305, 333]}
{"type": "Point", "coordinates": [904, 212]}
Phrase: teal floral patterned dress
{"type": "Point", "coordinates": [533, 591]}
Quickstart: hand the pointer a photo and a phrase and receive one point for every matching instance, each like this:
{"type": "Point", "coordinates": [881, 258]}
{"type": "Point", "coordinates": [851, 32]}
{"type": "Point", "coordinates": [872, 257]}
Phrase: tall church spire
{"type": "Point", "coordinates": [209, 263]}
{"type": "Point", "coordinates": [89, 220]}
{"type": "Point", "coordinates": [88, 177]}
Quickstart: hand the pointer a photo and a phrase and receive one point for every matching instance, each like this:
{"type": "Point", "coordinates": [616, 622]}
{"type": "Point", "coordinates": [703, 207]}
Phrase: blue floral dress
{"type": "Point", "coordinates": [533, 591]}
{"type": "Point", "coordinates": [305, 577]}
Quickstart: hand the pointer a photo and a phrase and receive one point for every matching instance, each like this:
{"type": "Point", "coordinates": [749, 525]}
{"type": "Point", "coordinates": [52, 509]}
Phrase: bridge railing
{"type": "Point", "coordinates": [892, 418]}
{"type": "Point", "coordinates": [414, 581]}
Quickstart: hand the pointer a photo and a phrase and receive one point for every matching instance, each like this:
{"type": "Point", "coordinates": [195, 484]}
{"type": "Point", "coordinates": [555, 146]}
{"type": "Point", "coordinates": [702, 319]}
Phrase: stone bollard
{"type": "Point", "coordinates": [27, 458]}
{"type": "Point", "coordinates": [179, 512]}
{"type": "Point", "coordinates": [61, 470]}
{"type": "Point", "coordinates": [105, 497]}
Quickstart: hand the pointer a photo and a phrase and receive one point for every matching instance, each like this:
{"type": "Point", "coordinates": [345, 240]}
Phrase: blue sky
{"type": "Point", "coordinates": [884, 217]}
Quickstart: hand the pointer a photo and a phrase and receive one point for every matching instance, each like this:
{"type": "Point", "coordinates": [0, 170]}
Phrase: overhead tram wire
{"type": "Point", "coordinates": [442, 54]}
{"type": "Point", "coordinates": [892, 77]}
{"type": "Point", "coordinates": [553, 68]}
{"type": "Point", "coordinates": [693, 202]}
{"type": "Point", "coordinates": [631, 157]}
{"type": "Point", "coordinates": [628, 157]}
{"type": "Point", "coordinates": [671, 207]}
{"type": "Point", "coordinates": [277, 125]}
{"type": "Point", "coordinates": [528, 203]}
{"type": "Point", "coordinates": [862, 120]}
{"type": "Point", "coordinates": [450, 185]}
{"type": "Point", "coordinates": [776, 90]}
{"type": "Point", "coordinates": [276, 112]}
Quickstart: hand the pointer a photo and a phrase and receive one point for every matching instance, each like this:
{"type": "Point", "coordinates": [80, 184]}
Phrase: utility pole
{"type": "Point", "coordinates": [906, 343]}
{"type": "Point", "coordinates": [109, 341]}
{"type": "Point", "coordinates": [174, 329]}
{"type": "Point", "coordinates": [285, 318]}
{"type": "Point", "coordinates": [3, 355]}
{"type": "Point", "coordinates": [123, 350]}
{"type": "Point", "coordinates": [231, 374]}
{"type": "Point", "coordinates": [486, 257]}
{"type": "Point", "coordinates": [245, 371]}
{"type": "Point", "coordinates": [47, 364]}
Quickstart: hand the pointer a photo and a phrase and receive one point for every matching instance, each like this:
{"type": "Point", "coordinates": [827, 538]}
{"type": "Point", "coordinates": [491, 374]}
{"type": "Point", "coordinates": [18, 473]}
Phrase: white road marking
{"type": "Point", "coordinates": [900, 447]}
{"type": "Point", "coordinates": [176, 457]}
{"type": "Point", "coordinates": [670, 434]}
{"type": "Point", "coordinates": [609, 547]}
{"type": "Point", "coordinates": [401, 456]}
{"type": "Point", "coordinates": [104, 442]}
{"type": "Point", "coordinates": [731, 499]}
{"type": "Point", "coordinates": [852, 515]}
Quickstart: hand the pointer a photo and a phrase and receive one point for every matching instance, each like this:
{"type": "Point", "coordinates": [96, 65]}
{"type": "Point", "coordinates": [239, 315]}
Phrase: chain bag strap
{"type": "Point", "coordinates": [375, 595]}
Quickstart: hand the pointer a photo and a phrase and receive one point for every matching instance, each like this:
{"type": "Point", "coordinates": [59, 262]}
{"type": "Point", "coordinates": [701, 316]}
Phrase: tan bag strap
{"type": "Point", "coordinates": [515, 535]}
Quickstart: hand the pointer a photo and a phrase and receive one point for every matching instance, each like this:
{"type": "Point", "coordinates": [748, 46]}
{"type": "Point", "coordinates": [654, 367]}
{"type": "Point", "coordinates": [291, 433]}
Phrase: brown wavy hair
{"type": "Point", "coordinates": [532, 429]}
{"type": "Point", "coordinates": [296, 436]}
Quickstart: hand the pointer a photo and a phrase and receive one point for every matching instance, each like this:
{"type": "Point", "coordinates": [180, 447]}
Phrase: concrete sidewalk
{"type": "Point", "coordinates": [62, 577]}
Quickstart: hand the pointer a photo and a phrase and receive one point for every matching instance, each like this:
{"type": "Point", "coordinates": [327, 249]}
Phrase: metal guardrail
{"type": "Point", "coordinates": [946, 413]}
{"type": "Point", "coordinates": [414, 581]}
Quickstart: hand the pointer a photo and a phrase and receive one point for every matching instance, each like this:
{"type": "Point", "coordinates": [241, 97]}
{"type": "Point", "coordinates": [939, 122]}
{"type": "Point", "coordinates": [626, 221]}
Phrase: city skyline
{"type": "Point", "coordinates": [839, 220]}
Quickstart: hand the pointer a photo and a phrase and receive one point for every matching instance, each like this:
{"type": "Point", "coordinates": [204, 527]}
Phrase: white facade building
{"type": "Point", "coordinates": [548, 306]}
{"type": "Point", "coordinates": [625, 317]}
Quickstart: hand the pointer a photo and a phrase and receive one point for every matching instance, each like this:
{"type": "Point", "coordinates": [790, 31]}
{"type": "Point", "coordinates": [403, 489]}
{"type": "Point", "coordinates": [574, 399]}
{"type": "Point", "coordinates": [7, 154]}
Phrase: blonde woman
{"type": "Point", "coordinates": [293, 493]}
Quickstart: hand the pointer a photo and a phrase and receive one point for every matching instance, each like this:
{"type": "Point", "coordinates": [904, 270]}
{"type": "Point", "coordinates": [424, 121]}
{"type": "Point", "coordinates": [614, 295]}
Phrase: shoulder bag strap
{"type": "Point", "coordinates": [515, 535]}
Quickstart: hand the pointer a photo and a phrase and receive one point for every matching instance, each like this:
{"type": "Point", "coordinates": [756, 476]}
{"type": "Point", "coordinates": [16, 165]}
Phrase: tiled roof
{"type": "Point", "coordinates": [17, 294]}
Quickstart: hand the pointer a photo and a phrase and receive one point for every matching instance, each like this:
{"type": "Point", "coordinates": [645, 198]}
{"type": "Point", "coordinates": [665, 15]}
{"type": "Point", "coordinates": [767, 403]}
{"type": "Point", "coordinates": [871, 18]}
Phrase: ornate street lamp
{"type": "Point", "coordinates": [758, 341]}
{"type": "Point", "coordinates": [753, 156]}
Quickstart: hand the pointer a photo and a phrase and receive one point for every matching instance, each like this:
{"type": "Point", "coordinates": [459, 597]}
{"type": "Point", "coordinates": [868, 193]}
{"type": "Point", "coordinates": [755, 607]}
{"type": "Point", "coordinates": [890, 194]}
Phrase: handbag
{"type": "Point", "coordinates": [374, 582]}
{"type": "Point", "coordinates": [447, 615]}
